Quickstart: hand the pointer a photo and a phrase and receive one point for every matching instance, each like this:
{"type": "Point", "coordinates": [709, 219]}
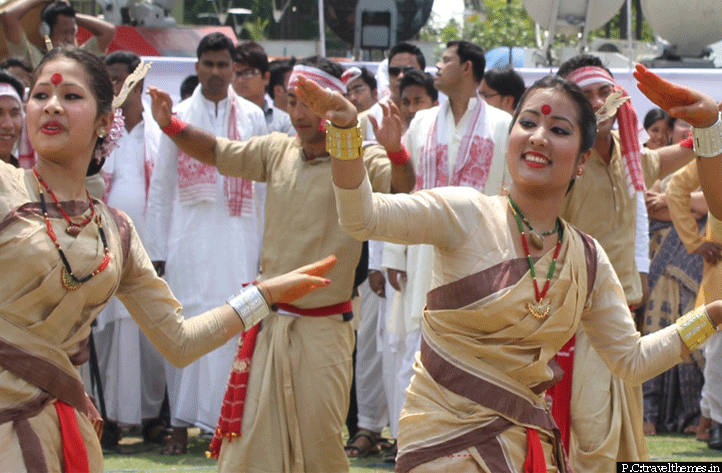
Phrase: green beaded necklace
{"type": "Point", "coordinates": [536, 238]}
{"type": "Point", "coordinates": [539, 309]}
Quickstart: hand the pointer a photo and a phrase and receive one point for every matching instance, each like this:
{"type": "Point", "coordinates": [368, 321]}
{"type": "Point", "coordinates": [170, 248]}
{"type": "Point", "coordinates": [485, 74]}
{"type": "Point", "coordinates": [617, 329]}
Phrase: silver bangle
{"type": "Point", "coordinates": [708, 141]}
{"type": "Point", "coordinates": [250, 305]}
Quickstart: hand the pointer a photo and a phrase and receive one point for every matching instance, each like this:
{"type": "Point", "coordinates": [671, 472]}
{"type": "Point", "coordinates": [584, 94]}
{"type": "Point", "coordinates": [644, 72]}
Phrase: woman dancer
{"type": "Point", "coordinates": [65, 255]}
{"type": "Point", "coordinates": [512, 283]}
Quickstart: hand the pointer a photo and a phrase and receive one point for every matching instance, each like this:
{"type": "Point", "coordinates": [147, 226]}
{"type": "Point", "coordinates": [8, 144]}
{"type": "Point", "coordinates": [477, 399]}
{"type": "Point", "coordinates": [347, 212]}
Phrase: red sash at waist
{"type": "Point", "coordinates": [340, 308]}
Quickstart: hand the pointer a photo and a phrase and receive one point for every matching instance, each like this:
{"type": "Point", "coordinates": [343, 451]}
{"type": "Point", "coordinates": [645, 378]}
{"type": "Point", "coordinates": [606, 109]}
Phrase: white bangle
{"type": "Point", "coordinates": [250, 305]}
{"type": "Point", "coordinates": [708, 141]}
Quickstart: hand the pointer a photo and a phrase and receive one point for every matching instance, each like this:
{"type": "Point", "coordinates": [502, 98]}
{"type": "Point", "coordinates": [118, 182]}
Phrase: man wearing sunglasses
{"type": "Point", "coordinates": [402, 58]}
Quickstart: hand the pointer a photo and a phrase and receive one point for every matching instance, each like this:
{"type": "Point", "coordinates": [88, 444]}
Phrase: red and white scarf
{"type": "Point", "coordinates": [196, 180]}
{"type": "Point", "coordinates": [473, 162]}
{"type": "Point", "coordinates": [628, 127]}
{"type": "Point", "coordinates": [324, 79]}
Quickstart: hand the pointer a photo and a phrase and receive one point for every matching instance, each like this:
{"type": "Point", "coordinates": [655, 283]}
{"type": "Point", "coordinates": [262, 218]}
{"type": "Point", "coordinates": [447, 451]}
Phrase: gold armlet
{"type": "Point", "coordinates": [695, 327]}
{"type": "Point", "coordinates": [343, 143]}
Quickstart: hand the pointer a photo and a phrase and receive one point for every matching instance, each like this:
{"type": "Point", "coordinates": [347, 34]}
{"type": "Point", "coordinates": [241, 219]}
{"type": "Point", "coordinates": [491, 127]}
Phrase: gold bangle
{"type": "Point", "coordinates": [343, 143]}
{"type": "Point", "coordinates": [695, 327]}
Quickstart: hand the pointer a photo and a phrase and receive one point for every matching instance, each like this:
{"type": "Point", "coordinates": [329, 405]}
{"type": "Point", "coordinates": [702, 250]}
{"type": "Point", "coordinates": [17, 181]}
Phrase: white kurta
{"type": "Point", "coordinates": [209, 254]}
{"type": "Point", "coordinates": [132, 371]}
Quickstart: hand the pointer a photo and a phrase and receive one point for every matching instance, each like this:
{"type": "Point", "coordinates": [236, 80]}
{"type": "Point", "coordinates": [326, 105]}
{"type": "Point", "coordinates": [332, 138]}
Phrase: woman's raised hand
{"type": "Point", "coordinates": [331, 106]}
{"type": "Point", "coordinates": [692, 106]}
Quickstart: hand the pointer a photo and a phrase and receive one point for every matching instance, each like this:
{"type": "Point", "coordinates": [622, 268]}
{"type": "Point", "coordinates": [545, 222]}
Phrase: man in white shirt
{"type": "Point", "coordinates": [251, 75]}
{"type": "Point", "coordinates": [205, 231]}
{"type": "Point", "coordinates": [132, 372]}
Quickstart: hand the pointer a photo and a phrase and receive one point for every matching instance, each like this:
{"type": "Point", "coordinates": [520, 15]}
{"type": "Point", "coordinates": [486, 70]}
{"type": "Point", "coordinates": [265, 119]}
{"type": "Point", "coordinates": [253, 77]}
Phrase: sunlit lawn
{"type": "Point", "coordinates": [134, 456]}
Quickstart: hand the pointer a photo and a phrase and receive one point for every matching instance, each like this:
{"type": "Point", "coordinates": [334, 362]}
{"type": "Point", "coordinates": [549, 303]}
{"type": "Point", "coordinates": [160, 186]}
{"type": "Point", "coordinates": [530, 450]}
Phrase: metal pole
{"type": "Point", "coordinates": [629, 34]}
{"type": "Point", "coordinates": [321, 30]}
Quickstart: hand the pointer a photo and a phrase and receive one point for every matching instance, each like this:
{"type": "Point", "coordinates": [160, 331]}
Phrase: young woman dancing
{"type": "Point", "coordinates": [65, 255]}
{"type": "Point", "coordinates": [512, 282]}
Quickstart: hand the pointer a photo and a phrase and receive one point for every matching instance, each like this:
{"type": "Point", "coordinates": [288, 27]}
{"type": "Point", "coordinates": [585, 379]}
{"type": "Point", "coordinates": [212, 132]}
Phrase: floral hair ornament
{"type": "Point", "coordinates": [546, 109]}
{"type": "Point", "coordinates": [110, 142]}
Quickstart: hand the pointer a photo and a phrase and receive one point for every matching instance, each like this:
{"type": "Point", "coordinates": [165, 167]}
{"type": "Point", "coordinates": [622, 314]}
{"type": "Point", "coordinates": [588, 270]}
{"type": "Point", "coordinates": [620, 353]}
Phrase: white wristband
{"type": "Point", "coordinates": [250, 305]}
{"type": "Point", "coordinates": [708, 141]}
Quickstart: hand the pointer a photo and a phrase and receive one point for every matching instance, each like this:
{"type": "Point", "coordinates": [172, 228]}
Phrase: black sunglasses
{"type": "Point", "coordinates": [394, 71]}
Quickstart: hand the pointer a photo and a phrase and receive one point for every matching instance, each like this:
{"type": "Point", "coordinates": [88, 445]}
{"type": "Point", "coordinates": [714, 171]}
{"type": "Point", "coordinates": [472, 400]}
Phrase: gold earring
{"type": "Point", "coordinates": [100, 132]}
{"type": "Point", "coordinates": [580, 171]}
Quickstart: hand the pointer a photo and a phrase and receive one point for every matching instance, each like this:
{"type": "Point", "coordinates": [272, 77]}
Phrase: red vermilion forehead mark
{"type": "Point", "coordinates": [56, 79]}
{"type": "Point", "coordinates": [546, 109]}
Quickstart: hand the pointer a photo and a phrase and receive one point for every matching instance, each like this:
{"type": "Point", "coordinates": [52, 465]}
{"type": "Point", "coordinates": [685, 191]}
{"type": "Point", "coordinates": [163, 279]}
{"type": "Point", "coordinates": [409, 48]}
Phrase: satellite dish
{"type": "Point", "coordinates": [571, 16]}
{"type": "Point", "coordinates": [689, 30]}
{"type": "Point", "coordinates": [412, 15]}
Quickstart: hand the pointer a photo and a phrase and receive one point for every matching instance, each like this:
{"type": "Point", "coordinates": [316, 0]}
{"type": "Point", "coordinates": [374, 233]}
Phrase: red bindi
{"type": "Point", "coordinates": [56, 79]}
{"type": "Point", "coordinates": [546, 109]}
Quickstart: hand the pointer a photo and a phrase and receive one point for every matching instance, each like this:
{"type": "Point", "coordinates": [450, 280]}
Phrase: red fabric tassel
{"type": "Point", "coordinates": [535, 462]}
{"type": "Point", "coordinates": [74, 452]}
{"type": "Point", "coordinates": [561, 392]}
{"type": "Point", "coordinates": [229, 422]}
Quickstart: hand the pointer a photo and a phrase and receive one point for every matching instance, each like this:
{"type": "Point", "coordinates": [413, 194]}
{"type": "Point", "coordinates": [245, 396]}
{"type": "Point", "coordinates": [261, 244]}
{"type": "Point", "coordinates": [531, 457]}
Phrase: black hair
{"type": "Point", "coordinates": [326, 65]}
{"type": "Point", "coordinates": [129, 58]}
{"type": "Point", "coordinates": [410, 49]}
{"type": "Point", "coordinates": [51, 12]}
{"type": "Point", "coordinates": [17, 61]}
{"type": "Point", "coordinates": [587, 118]}
{"type": "Point", "coordinates": [98, 77]}
{"type": "Point", "coordinates": [252, 54]}
{"type": "Point", "coordinates": [506, 82]}
{"type": "Point", "coordinates": [215, 42]}
{"type": "Point", "coordinates": [424, 79]}
{"type": "Point", "coordinates": [368, 78]}
{"type": "Point", "coordinates": [188, 85]}
{"type": "Point", "coordinates": [582, 60]}
{"type": "Point", "coordinates": [468, 51]}
{"type": "Point", "coordinates": [278, 70]}
{"type": "Point", "coordinates": [10, 79]}
{"type": "Point", "coordinates": [653, 116]}
{"type": "Point", "coordinates": [100, 83]}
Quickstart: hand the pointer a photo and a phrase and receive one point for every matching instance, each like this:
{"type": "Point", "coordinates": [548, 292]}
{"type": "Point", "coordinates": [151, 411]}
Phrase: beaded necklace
{"type": "Point", "coordinates": [539, 309]}
{"type": "Point", "coordinates": [73, 228]}
{"type": "Point", "coordinates": [69, 281]}
{"type": "Point", "coordinates": [536, 238]}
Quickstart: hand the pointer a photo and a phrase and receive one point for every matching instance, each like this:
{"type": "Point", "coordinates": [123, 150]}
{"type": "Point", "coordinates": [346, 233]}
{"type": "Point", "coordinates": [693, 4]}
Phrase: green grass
{"type": "Point", "coordinates": [134, 456]}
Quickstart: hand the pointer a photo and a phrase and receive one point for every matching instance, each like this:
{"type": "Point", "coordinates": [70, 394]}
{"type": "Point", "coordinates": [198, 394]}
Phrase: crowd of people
{"type": "Point", "coordinates": [502, 277]}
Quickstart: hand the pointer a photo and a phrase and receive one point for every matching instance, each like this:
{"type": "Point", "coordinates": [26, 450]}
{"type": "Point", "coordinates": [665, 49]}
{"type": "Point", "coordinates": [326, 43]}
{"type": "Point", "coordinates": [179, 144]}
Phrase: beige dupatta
{"type": "Point", "coordinates": [479, 329]}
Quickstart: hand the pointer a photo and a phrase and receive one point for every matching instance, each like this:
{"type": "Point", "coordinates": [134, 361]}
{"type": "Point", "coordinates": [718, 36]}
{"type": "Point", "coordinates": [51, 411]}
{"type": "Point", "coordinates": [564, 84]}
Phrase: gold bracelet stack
{"type": "Point", "coordinates": [343, 143]}
{"type": "Point", "coordinates": [695, 327]}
